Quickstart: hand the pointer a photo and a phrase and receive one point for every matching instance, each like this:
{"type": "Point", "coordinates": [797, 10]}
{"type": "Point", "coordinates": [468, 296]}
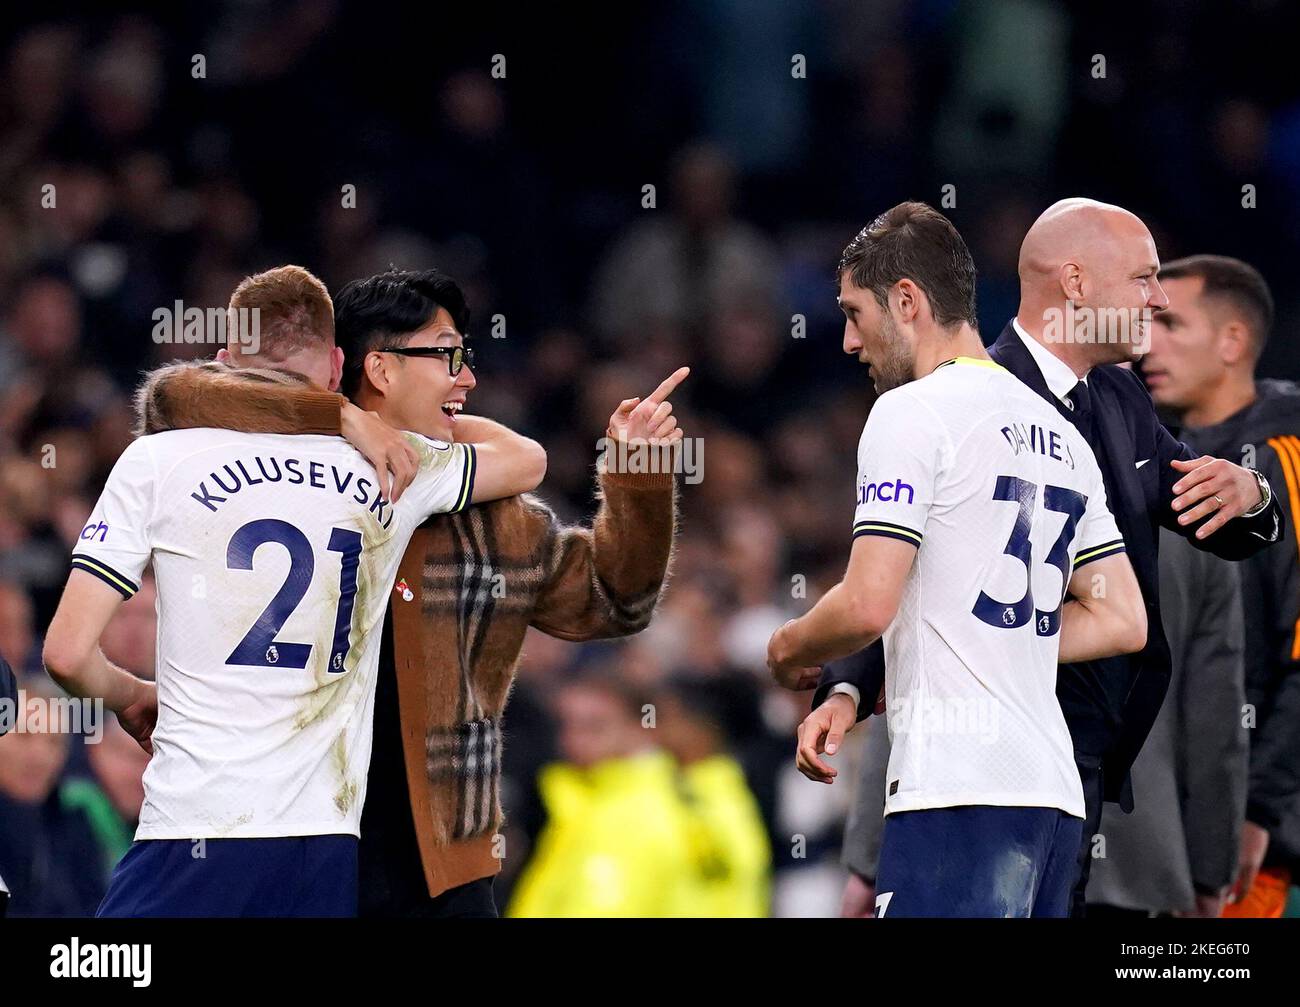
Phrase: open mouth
{"type": "Point", "coordinates": [452, 409]}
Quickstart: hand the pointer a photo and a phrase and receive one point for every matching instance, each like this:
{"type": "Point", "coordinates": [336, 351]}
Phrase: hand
{"type": "Point", "coordinates": [823, 730]}
{"type": "Point", "coordinates": [1207, 478]}
{"type": "Point", "coordinates": [1254, 844]}
{"type": "Point", "coordinates": [791, 676]}
{"type": "Point", "coordinates": [859, 901]}
{"type": "Point", "coordinates": [139, 719]}
{"type": "Point", "coordinates": [386, 449]}
{"type": "Point", "coordinates": [650, 419]}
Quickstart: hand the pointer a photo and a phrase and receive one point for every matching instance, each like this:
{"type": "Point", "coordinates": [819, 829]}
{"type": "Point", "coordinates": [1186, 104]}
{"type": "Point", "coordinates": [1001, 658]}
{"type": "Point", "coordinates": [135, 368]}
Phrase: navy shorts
{"type": "Point", "coordinates": [978, 860]}
{"type": "Point", "coordinates": [289, 876]}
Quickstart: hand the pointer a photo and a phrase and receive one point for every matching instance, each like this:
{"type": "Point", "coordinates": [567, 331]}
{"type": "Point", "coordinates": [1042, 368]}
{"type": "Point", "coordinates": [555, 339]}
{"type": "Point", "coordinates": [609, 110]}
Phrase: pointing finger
{"type": "Point", "coordinates": [668, 384]}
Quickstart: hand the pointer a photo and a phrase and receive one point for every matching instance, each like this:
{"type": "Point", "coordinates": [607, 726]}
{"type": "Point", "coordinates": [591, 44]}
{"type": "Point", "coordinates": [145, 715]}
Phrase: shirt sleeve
{"type": "Point", "coordinates": [902, 448]}
{"type": "Point", "coordinates": [115, 543]}
{"type": "Point", "coordinates": [1097, 535]}
{"type": "Point", "coordinates": [444, 483]}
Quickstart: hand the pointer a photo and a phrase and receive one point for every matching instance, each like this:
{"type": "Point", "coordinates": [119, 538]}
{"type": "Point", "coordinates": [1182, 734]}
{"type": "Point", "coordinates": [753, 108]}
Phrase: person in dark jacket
{"type": "Point", "coordinates": [1201, 369]}
{"type": "Point", "coordinates": [48, 856]}
{"type": "Point", "coordinates": [1177, 852]}
{"type": "Point", "coordinates": [1088, 290]}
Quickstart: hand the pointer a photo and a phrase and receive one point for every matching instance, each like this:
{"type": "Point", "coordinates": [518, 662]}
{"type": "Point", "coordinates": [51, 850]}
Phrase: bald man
{"type": "Point", "coordinates": [1088, 294]}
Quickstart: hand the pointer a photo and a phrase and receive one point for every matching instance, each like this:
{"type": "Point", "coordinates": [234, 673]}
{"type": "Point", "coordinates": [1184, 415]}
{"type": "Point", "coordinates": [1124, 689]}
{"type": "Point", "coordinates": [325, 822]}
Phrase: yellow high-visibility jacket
{"type": "Point", "coordinates": [617, 843]}
{"type": "Point", "coordinates": [731, 849]}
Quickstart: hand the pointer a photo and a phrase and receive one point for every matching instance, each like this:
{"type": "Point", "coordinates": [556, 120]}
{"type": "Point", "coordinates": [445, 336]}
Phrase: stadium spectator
{"type": "Point", "coordinates": [111, 798]}
{"type": "Point", "coordinates": [45, 842]}
{"type": "Point", "coordinates": [728, 841]}
{"type": "Point", "coordinates": [617, 841]}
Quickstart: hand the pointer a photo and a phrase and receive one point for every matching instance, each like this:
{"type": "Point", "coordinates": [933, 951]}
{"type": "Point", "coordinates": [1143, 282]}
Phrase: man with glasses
{"type": "Point", "coordinates": [468, 588]}
{"type": "Point", "coordinates": [273, 557]}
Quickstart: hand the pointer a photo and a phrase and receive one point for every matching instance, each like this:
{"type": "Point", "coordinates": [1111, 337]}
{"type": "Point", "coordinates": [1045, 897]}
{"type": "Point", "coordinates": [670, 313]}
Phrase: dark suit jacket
{"type": "Point", "coordinates": [1111, 704]}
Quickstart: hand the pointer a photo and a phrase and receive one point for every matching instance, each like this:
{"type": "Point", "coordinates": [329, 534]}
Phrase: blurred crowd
{"type": "Point", "coordinates": [151, 158]}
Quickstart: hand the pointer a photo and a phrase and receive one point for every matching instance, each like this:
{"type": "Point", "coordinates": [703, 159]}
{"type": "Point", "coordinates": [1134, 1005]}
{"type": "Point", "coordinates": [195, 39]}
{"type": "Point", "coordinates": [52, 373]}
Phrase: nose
{"type": "Point", "coordinates": [852, 342]}
{"type": "Point", "coordinates": [1157, 299]}
{"type": "Point", "coordinates": [465, 379]}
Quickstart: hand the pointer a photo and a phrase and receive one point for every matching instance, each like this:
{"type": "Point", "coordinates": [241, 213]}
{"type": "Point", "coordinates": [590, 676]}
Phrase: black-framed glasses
{"type": "Point", "coordinates": [457, 356]}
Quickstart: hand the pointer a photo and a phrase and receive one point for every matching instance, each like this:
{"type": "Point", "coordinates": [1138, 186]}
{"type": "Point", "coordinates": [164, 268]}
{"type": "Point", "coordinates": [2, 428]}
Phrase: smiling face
{"type": "Point", "coordinates": [419, 393]}
{"type": "Point", "coordinates": [871, 335]}
{"type": "Point", "coordinates": [1120, 286]}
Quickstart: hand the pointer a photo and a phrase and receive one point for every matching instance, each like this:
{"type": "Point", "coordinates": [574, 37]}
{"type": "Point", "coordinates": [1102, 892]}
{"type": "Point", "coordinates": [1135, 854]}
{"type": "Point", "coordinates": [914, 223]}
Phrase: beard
{"type": "Point", "coordinates": [897, 362]}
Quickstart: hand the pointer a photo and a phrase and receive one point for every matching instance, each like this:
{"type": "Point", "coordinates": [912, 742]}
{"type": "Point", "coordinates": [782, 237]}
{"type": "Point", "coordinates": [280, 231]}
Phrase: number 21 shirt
{"type": "Point", "coordinates": [275, 558]}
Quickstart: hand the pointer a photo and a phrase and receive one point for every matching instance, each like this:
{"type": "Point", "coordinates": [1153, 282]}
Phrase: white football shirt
{"type": "Point", "coordinates": [1004, 500]}
{"type": "Point", "coordinates": [274, 557]}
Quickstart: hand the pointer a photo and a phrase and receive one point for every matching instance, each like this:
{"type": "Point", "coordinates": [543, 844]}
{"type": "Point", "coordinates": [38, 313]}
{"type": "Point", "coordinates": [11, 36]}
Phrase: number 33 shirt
{"type": "Point", "coordinates": [1004, 501]}
{"type": "Point", "coordinates": [274, 558]}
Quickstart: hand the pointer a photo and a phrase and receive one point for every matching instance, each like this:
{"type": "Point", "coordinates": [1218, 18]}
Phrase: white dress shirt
{"type": "Point", "coordinates": [1059, 376]}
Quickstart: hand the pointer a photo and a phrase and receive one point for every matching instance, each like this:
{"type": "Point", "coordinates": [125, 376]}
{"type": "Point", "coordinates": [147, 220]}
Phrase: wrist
{"type": "Point", "coordinates": [1265, 495]}
{"type": "Point", "coordinates": [845, 698]}
{"type": "Point", "coordinates": [849, 691]}
{"type": "Point", "coordinates": [129, 691]}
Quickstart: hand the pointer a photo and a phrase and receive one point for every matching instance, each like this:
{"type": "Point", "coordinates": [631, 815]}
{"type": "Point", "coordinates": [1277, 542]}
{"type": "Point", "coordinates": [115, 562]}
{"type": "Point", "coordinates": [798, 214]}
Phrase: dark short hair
{"type": "Point", "coordinates": [916, 242]}
{"type": "Point", "coordinates": [386, 310]}
{"type": "Point", "coordinates": [1230, 281]}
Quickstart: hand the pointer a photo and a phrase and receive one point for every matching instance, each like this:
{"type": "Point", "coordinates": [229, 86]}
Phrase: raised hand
{"type": "Point", "coordinates": [649, 419]}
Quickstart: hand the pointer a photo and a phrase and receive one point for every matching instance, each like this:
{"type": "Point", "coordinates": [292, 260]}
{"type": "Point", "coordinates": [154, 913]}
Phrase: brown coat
{"type": "Point", "coordinates": [481, 578]}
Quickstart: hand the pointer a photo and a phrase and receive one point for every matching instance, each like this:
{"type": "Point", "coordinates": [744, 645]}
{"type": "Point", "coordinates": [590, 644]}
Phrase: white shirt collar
{"type": "Point", "coordinates": [1056, 372]}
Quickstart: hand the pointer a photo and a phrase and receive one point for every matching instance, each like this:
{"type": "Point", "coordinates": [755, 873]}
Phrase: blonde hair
{"type": "Point", "coordinates": [293, 311]}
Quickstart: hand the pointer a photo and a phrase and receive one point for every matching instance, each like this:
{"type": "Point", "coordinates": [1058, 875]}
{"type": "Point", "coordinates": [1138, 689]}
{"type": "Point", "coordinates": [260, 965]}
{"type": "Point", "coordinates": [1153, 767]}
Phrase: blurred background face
{"type": "Point", "coordinates": [30, 764]}
{"type": "Point", "coordinates": [1122, 274]}
{"type": "Point", "coordinates": [596, 725]}
{"type": "Point", "coordinates": [422, 395]}
{"type": "Point", "coordinates": [1184, 362]}
{"type": "Point", "coordinates": [15, 625]}
{"type": "Point", "coordinates": [685, 733]}
{"type": "Point", "coordinates": [871, 335]}
{"type": "Point", "coordinates": [46, 320]}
